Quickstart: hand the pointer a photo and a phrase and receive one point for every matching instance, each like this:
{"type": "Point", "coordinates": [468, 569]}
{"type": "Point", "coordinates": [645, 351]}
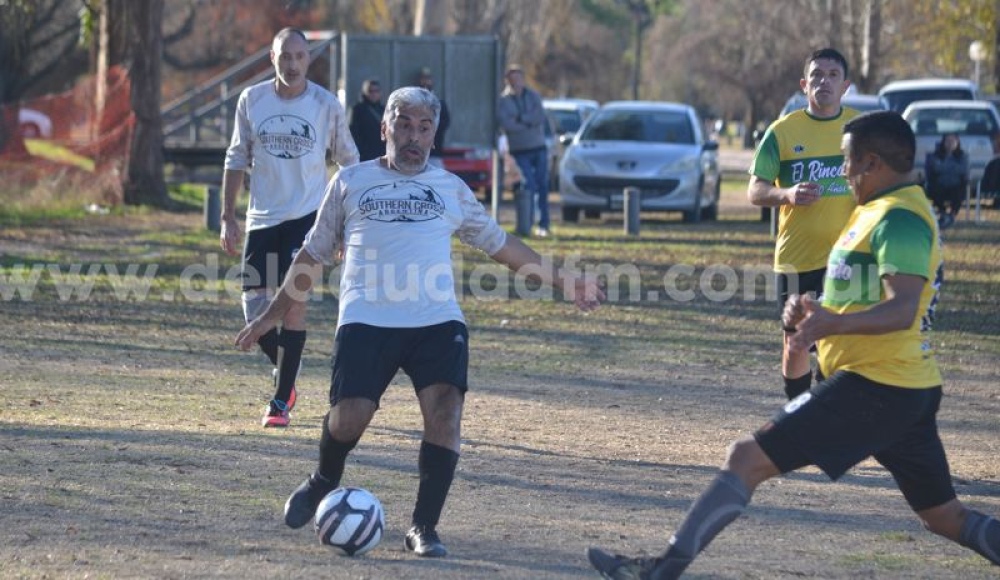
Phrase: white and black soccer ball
{"type": "Point", "coordinates": [350, 520]}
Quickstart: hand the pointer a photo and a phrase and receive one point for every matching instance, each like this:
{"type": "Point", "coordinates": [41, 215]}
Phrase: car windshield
{"type": "Point", "coordinates": [899, 100]}
{"type": "Point", "coordinates": [644, 126]}
{"type": "Point", "coordinates": [944, 121]}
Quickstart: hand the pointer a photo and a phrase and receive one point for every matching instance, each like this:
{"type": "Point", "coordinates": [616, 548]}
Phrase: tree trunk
{"type": "Point", "coordinates": [144, 182]}
{"type": "Point", "coordinates": [637, 62]}
{"type": "Point", "coordinates": [430, 18]}
{"type": "Point", "coordinates": [873, 47]}
{"type": "Point", "coordinates": [996, 49]}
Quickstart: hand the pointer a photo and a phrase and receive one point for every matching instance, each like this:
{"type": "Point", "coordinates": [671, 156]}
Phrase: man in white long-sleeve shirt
{"type": "Point", "coordinates": [284, 128]}
{"type": "Point", "coordinates": [392, 219]}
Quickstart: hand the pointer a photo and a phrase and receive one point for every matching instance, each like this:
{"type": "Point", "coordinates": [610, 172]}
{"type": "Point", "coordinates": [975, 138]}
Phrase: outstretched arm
{"type": "Point", "coordinates": [582, 290]}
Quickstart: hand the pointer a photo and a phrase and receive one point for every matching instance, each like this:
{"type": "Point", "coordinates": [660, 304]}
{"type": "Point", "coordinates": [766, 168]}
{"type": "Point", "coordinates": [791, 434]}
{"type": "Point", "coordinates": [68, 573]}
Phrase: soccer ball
{"type": "Point", "coordinates": [351, 520]}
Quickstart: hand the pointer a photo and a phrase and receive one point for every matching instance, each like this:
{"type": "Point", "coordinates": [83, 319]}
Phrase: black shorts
{"type": "Point", "coordinates": [847, 418]}
{"type": "Point", "coordinates": [366, 358]}
{"type": "Point", "coordinates": [268, 252]}
{"type": "Point", "coordinates": [799, 283]}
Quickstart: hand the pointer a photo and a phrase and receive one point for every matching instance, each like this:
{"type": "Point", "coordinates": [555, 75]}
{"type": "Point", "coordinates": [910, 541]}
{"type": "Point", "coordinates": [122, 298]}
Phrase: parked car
{"type": "Point", "coordinates": [569, 114]}
{"type": "Point", "coordinates": [857, 101]}
{"type": "Point", "coordinates": [34, 124]}
{"type": "Point", "coordinates": [565, 117]}
{"type": "Point", "coordinates": [658, 147]}
{"type": "Point", "coordinates": [900, 94]}
{"type": "Point", "coordinates": [473, 164]}
{"type": "Point", "coordinates": [976, 123]}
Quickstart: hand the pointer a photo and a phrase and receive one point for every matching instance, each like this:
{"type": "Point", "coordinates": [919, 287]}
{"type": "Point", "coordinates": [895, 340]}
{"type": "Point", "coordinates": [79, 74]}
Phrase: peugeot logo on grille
{"type": "Point", "coordinates": [626, 165]}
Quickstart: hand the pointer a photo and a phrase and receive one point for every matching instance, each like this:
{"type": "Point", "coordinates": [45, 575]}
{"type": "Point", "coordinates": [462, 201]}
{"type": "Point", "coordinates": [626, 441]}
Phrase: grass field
{"type": "Point", "coordinates": [131, 448]}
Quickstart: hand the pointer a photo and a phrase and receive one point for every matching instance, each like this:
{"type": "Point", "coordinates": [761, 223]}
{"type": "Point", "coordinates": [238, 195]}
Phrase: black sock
{"type": "Point", "coordinates": [720, 504]}
{"type": "Point", "coordinates": [795, 387]}
{"type": "Point", "coordinates": [268, 344]}
{"type": "Point", "coordinates": [981, 533]}
{"type": "Point", "coordinates": [332, 454]}
{"type": "Point", "coordinates": [437, 470]}
{"type": "Point", "coordinates": [292, 343]}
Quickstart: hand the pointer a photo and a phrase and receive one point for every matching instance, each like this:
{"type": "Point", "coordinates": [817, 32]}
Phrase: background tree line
{"type": "Point", "coordinates": [730, 58]}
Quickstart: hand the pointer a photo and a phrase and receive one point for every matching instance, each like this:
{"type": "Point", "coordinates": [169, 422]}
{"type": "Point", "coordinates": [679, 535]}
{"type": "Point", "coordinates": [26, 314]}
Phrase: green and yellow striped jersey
{"type": "Point", "coordinates": [892, 233]}
{"type": "Point", "coordinates": [796, 148]}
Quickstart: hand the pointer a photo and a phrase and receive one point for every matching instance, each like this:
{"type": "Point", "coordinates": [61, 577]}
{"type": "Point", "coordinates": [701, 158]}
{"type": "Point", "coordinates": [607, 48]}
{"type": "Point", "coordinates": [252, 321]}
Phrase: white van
{"type": "Point", "coordinates": [899, 94]}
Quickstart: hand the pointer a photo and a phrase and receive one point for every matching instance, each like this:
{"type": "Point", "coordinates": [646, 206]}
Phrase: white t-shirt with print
{"type": "Point", "coordinates": [285, 141]}
{"type": "Point", "coordinates": [395, 233]}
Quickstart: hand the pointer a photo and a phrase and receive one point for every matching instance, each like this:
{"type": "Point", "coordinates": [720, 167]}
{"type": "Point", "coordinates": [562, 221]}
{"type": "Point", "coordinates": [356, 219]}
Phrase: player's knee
{"type": "Point", "coordinates": [944, 520]}
{"type": "Point", "coordinates": [255, 301]}
{"type": "Point", "coordinates": [349, 419]}
{"type": "Point", "coordinates": [746, 459]}
{"type": "Point", "coordinates": [442, 409]}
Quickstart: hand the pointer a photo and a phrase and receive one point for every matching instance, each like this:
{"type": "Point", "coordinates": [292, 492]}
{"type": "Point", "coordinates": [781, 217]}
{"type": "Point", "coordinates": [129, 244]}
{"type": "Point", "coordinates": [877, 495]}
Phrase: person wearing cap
{"type": "Point", "coordinates": [522, 119]}
{"type": "Point", "coordinates": [425, 80]}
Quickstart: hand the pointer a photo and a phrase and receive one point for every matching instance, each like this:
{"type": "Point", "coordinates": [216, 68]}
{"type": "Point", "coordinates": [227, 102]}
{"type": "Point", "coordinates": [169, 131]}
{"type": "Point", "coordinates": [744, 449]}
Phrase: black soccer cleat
{"type": "Point", "coordinates": [616, 567]}
{"type": "Point", "coordinates": [301, 505]}
{"type": "Point", "coordinates": [424, 541]}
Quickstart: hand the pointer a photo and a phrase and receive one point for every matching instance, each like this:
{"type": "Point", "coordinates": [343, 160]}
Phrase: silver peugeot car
{"type": "Point", "coordinates": [658, 147]}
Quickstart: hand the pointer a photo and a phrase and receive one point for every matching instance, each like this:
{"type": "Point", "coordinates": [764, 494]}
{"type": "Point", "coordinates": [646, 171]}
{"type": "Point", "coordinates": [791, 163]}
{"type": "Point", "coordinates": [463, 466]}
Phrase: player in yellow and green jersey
{"type": "Point", "coordinates": [882, 390]}
{"type": "Point", "coordinates": [798, 168]}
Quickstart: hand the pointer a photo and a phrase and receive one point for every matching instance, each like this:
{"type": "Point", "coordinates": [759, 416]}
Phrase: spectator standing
{"type": "Point", "coordinates": [522, 119]}
{"type": "Point", "coordinates": [283, 130]}
{"type": "Point", "coordinates": [364, 120]}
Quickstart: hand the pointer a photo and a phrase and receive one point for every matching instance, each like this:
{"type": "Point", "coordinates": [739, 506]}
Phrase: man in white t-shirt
{"type": "Point", "coordinates": [392, 219]}
{"type": "Point", "coordinates": [284, 128]}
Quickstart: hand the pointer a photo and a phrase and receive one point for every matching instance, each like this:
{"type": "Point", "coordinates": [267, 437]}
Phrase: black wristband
{"type": "Point", "coordinates": [789, 328]}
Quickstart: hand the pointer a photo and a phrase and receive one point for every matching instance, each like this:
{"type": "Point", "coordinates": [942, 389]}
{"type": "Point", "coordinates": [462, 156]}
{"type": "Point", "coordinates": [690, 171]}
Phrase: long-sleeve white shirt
{"type": "Point", "coordinates": [284, 143]}
{"type": "Point", "coordinates": [395, 233]}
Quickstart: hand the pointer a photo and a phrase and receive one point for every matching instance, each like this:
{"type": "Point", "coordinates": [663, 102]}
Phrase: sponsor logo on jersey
{"type": "Point", "coordinates": [287, 136]}
{"type": "Point", "coordinates": [815, 171]}
{"type": "Point", "coordinates": [405, 200]}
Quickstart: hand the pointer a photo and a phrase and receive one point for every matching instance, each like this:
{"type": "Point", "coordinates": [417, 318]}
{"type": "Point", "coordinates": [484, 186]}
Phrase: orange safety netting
{"type": "Point", "coordinates": [70, 121]}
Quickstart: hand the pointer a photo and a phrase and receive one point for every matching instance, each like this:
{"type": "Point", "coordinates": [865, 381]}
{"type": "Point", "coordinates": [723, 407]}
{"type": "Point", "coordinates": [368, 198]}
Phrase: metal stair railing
{"type": "Point", "coordinates": [203, 115]}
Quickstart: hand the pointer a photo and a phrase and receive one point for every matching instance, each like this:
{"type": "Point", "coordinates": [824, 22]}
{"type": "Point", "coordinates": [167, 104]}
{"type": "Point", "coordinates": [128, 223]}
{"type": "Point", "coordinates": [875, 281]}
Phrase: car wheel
{"type": "Point", "coordinates": [571, 214]}
{"type": "Point", "coordinates": [711, 213]}
{"type": "Point", "coordinates": [693, 215]}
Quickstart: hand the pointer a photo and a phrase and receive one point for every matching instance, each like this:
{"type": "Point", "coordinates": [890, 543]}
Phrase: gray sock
{"type": "Point", "coordinates": [981, 533]}
{"type": "Point", "coordinates": [720, 504]}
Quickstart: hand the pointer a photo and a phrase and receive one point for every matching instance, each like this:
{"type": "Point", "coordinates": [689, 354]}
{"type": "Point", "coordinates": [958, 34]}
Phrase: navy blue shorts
{"type": "Point", "coordinates": [268, 252]}
{"type": "Point", "coordinates": [366, 358]}
{"type": "Point", "coordinates": [799, 283]}
{"type": "Point", "coordinates": [847, 418]}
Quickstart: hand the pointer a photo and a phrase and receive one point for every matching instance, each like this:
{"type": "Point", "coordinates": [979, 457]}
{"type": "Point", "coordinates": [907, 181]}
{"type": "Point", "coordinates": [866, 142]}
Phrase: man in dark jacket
{"type": "Point", "coordinates": [365, 121]}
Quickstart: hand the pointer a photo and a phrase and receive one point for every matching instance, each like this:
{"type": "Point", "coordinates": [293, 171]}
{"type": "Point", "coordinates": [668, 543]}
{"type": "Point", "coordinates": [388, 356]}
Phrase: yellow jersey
{"type": "Point", "coordinates": [796, 148]}
{"type": "Point", "coordinates": [893, 233]}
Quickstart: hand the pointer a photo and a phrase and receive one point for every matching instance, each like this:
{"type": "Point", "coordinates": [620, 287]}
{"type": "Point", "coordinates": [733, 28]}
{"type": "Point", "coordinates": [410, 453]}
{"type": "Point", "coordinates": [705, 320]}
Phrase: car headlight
{"type": "Point", "coordinates": [683, 165]}
{"type": "Point", "coordinates": [576, 164]}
